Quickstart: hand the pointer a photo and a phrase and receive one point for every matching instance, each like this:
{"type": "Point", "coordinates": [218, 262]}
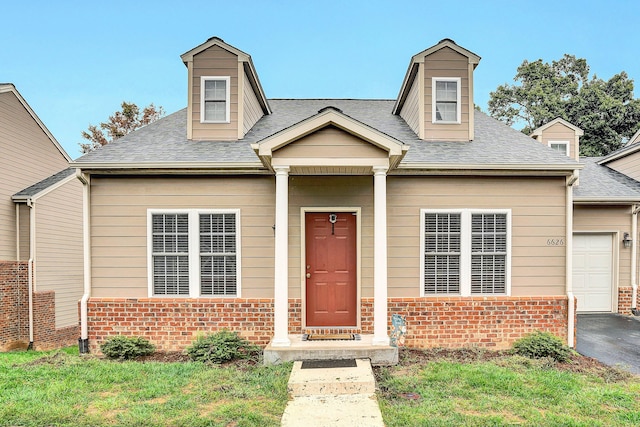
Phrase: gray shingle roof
{"type": "Point", "coordinates": [601, 182]}
{"type": "Point", "coordinates": [165, 140]}
{"type": "Point", "coordinates": [44, 184]}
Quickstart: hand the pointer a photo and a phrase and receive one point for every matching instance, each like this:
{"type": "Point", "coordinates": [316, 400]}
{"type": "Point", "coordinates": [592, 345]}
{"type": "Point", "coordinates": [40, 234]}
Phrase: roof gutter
{"type": "Point", "coordinates": [491, 169]}
{"type": "Point", "coordinates": [174, 168]}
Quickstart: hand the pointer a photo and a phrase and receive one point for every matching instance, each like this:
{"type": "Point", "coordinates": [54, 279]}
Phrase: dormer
{"type": "Point", "coordinates": [560, 135]}
{"type": "Point", "coordinates": [225, 98]}
{"type": "Point", "coordinates": [436, 97]}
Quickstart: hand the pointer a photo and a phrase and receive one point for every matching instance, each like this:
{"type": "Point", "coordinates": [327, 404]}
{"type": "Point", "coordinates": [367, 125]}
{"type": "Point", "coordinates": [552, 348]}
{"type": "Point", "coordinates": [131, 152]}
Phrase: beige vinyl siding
{"type": "Point", "coordinates": [252, 109]}
{"type": "Point", "coordinates": [24, 231]}
{"type": "Point", "coordinates": [336, 192]}
{"type": "Point", "coordinates": [27, 156]}
{"type": "Point", "coordinates": [628, 165]}
{"type": "Point", "coordinates": [538, 214]}
{"type": "Point", "coordinates": [59, 249]}
{"type": "Point", "coordinates": [411, 109]}
{"type": "Point", "coordinates": [328, 143]}
{"type": "Point", "coordinates": [119, 227]}
{"type": "Point", "coordinates": [608, 219]}
{"type": "Point", "coordinates": [446, 63]}
{"type": "Point", "coordinates": [560, 133]}
{"type": "Point", "coordinates": [215, 61]}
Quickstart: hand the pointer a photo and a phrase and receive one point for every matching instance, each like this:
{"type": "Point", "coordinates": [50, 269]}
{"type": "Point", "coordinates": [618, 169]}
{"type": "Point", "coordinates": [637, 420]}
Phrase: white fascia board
{"type": "Point", "coordinates": [559, 169]}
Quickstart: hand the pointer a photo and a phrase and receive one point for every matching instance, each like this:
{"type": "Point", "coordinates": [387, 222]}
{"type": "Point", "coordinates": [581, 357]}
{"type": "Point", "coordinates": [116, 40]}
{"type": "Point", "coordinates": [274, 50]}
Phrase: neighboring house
{"type": "Point", "coordinates": [41, 271]}
{"type": "Point", "coordinates": [282, 217]}
{"type": "Point", "coordinates": [606, 200]}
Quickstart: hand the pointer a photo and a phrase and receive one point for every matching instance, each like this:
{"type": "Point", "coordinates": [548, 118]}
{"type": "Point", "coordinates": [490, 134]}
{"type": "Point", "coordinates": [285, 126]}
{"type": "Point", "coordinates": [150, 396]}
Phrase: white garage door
{"type": "Point", "coordinates": [592, 271]}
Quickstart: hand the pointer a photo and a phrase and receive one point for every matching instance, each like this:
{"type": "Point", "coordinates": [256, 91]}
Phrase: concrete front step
{"type": "Point", "coordinates": [379, 355]}
{"type": "Point", "coordinates": [332, 381]}
{"type": "Point", "coordinates": [357, 410]}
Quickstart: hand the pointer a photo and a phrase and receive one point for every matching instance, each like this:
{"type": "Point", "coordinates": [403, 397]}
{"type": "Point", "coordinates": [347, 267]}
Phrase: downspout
{"type": "Point", "coordinates": [83, 341]}
{"type": "Point", "coordinates": [31, 268]}
{"type": "Point", "coordinates": [634, 257]}
{"type": "Point", "coordinates": [571, 307]}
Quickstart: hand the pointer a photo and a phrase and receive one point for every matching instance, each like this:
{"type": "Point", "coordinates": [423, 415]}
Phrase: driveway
{"type": "Point", "coordinates": [613, 339]}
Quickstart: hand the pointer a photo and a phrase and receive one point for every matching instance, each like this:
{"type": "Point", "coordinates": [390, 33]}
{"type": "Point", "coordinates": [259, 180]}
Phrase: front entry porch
{"type": "Point", "coordinates": [364, 348]}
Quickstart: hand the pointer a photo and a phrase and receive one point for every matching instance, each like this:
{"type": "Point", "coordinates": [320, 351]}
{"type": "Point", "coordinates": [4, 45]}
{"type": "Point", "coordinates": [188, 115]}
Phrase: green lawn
{"type": "Point", "coordinates": [64, 389]}
{"type": "Point", "coordinates": [506, 391]}
{"type": "Point", "coordinates": [425, 389]}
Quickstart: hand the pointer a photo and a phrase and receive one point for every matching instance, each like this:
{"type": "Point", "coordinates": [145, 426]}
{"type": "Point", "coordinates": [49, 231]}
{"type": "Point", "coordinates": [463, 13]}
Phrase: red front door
{"type": "Point", "coordinates": [331, 289]}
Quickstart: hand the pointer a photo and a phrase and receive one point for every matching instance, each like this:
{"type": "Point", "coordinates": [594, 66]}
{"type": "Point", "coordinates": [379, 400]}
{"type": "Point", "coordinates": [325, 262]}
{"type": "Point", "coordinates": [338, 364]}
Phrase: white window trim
{"type": "Point", "coordinates": [565, 143]}
{"type": "Point", "coordinates": [227, 79]}
{"type": "Point", "coordinates": [465, 250]}
{"type": "Point", "coordinates": [194, 251]}
{"type": "Point", "coordinates": [458, 101]}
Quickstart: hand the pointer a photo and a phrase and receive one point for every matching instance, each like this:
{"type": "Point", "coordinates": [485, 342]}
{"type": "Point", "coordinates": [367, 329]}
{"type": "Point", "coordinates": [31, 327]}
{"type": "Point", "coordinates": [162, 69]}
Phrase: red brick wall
{"type": "Point", "coordinates": [14, 305]}
{"type": "Point", "coordinates": [493, 322]}
{"type": "Point", "coordinates": [14, 313]}
{"type": "Point", "coordinates": [624, 300]}
{"type": "Point", "coordinates": [172, 324]}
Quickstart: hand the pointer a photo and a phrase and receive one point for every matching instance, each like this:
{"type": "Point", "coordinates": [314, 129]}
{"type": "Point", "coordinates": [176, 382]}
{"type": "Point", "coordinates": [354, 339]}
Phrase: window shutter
{"type": "Point", "coordinates": [488, 253]}
{"type": "Point", "coordinates": [218, 254]}
{"type": "Point", "coordinates": [442, 253]}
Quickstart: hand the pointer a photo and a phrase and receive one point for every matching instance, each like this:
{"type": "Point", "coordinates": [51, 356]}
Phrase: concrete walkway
{"type": "Point", "coordinates": [332, 396]}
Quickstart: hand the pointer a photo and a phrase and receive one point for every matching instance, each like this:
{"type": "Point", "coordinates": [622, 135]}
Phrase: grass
{"type": "Point", "coordinates": [474, 388]}
{"type": "Point", "coordinates": [65, 389]}
{"type": "Point", "coordinates": [505, 391]}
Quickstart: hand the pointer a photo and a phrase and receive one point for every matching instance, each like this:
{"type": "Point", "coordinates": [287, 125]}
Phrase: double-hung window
{"type": "Point", "coordinates": [465, 252]}
{"type": "Point", "coordinates": [446, 99]}
{"type": "Point", "coordinates": [215, 99]}
{"type": "Point", "coordinates": [194, 253]}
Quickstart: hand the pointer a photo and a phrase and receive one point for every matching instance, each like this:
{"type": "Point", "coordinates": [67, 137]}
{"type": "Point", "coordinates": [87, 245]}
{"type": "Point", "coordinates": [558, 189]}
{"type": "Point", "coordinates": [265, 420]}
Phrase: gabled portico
{"type": "Point", "coordinates": [330, 144]}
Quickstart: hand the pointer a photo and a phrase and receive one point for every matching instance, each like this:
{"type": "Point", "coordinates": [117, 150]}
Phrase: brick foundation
{"type": "Point", "coordinates": [14, 305]}
{"type": "Point", "coordinates": [624, 300]}
{"type": "Point", "coordinates": [14, 313]}
{"type": "Point", "coordinates": [172, 324]}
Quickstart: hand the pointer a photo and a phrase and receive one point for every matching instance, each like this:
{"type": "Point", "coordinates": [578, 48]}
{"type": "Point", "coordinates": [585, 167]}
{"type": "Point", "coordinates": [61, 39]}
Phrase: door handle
{"type": "Point", "coordinates": [308, 275]}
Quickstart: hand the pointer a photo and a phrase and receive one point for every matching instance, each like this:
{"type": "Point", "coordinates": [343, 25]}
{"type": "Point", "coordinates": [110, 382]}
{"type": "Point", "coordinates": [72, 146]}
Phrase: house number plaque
{"type": "Point", "coordinates": [555, 241]}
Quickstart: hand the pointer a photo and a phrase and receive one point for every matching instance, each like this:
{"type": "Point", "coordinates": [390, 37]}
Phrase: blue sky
{"type": "Point", "coordinates": [76, 61]}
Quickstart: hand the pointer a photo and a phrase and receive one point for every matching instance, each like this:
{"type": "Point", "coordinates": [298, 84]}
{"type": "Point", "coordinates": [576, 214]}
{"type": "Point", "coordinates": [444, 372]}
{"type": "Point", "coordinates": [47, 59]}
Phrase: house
{"type": "Point", "coordinates": [285, 218]}
{"type": "Point", "coordinates": [606, 200]}
{"type": "Point", "coordinates": [41, 271]}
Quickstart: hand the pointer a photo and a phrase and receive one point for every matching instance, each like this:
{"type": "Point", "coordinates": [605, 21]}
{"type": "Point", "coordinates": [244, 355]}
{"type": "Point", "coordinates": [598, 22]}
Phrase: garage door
{"type": "Point", "coordinates": [592, 271]}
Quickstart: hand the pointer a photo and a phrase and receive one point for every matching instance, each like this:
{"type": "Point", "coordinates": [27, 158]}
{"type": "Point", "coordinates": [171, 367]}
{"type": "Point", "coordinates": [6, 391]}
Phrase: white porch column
{"type": "Point", "coordinates": [281, 285]}
{"type": "Point", "coordinates": [380, 336]}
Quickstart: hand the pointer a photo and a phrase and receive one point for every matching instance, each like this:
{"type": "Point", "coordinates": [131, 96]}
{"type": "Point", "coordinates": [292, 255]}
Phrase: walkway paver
{"type": "Point", "coordinates": [332, 397]}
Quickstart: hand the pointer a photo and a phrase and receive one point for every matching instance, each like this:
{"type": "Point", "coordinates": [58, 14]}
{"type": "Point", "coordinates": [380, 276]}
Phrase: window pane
{"type": "Point", "coordinates": [442, 253]}
{"type": "Point", "coordinates": [446, 111]}
{"type": "Point", "coordinates": [215, 90]}
{"type": "Point", "coordinates": [215, 110]}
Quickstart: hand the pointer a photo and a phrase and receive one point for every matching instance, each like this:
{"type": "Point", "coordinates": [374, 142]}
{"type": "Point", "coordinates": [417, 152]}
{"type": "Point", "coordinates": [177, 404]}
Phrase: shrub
{"type": "Point", "coordinates": [126, 348]}
{"type": "Point", "coordinates": [538, 345]}
{"type": "Point", "coordinates": [221, 347]}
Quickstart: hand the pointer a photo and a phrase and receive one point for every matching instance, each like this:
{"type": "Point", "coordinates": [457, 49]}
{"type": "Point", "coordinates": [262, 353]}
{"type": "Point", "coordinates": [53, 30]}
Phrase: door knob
{"type": "Point", "coordinates": [308, 275]}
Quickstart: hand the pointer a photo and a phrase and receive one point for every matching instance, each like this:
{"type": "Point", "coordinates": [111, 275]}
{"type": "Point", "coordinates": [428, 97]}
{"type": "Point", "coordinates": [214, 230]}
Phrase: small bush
{"type": "Point", "coordinates": [126, 348]}
{"type": "Point", "coordinates": [538, 345]}
{"type": "Point", "coordinates": [221, 347]}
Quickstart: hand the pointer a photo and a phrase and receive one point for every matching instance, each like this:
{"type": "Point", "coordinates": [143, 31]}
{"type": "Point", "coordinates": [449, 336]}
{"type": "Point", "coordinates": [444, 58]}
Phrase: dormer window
{"type": "Point", "coordinates": [446, 99]}
{"type": "Point", "coordinates": [215, 99]}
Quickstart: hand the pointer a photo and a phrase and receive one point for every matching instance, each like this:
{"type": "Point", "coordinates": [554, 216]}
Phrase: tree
{"type": "Point", "coordinates": [119, 124]}
{"type": "Point", "coordinates": [605, 110]}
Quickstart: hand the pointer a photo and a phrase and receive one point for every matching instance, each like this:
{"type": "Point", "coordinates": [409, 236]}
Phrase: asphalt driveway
{"type": "Point", "coordinates": [613, 339]}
